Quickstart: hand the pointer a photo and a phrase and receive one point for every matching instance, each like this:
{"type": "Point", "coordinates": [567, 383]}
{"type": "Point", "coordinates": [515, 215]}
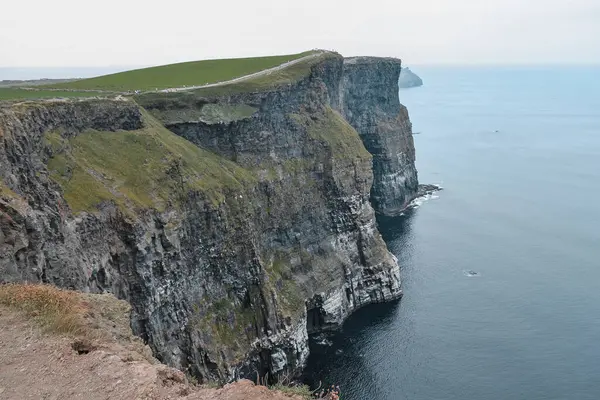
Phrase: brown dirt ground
{"type": "Point", "coordinates": [36, 365]}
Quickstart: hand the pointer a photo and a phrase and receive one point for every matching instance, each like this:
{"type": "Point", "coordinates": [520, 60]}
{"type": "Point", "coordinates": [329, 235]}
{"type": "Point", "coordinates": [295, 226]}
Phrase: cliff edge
{"type": "Point", "coordinates": [57, 344]}
{"type": "Point", "coordinates": [371, 105]}
{"type": "Point", "coordinates": [236, 219]}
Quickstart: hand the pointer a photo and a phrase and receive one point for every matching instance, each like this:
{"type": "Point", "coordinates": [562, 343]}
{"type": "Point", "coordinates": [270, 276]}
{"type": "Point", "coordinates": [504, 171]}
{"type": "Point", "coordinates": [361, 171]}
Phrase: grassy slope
{"type": "Point", "coordinates": [179, 75]}
{"type": "Point", "coordinates": [331, 128]}
{"type": "Point", "coordinates": [148, 168]}
{"type": "Point", "coordinates": [20, 94]}
{"type": "Point", "coordinates": [189, 105]}
{"type": "Point", "coordinates": [276, 79]}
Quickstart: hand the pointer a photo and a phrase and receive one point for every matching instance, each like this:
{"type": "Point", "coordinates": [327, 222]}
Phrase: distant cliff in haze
{"type": "Point", "coordinates": [409, 79]}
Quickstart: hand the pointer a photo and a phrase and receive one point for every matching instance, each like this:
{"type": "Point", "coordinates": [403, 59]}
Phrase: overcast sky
{"type": "Point", "coordinates": [43, 33]}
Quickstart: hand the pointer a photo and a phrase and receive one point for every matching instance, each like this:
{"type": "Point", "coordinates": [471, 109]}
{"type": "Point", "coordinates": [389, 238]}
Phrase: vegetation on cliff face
{"type": "Point", "coordinates": [332, 129]}
{"type": "Point", "coordinates": [6, 192]}
{"type": "Point", "coordinates": [154, 168]}
{"type": "Point", "coordinates": [147, 168]}
{"type": "Point", "coordinates": [210, 113]}
{"type": "Point", "coordinates": [223, 322]}
{"type": "Point", "coordinates": [281, 281]}
{"type": "Point", "coordinates": [178, 75]}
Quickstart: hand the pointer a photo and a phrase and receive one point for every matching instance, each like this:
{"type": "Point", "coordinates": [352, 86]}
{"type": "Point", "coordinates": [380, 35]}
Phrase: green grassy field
{"type": "Point", "coordinates": [273, 80]}
{"type": "Point", "coordinates": [189, 99]}
{"type": "Point", "coordinates": [178, 75]}
{"type": "Point", "coordinates": [21, 94]}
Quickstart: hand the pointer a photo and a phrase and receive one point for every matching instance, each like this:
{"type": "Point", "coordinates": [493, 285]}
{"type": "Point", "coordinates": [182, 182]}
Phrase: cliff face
{"type": "Point", "coordinates": [235, 222]}
{"type": "Point", "coordinates": [409, 79]}
{"type": "Point", "coordinates": [371, 106]}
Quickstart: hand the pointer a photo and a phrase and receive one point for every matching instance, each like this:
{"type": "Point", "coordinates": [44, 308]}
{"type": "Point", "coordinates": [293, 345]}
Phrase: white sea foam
{"type": "Point", "coordinates": [418, 202]}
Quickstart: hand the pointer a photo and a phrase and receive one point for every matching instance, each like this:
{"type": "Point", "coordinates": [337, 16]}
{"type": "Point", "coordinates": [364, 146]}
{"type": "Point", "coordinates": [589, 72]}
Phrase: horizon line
{"type": "Point", "coordinates": [426, 63]}
{"type": "Point", "coordinates": [54, 72]}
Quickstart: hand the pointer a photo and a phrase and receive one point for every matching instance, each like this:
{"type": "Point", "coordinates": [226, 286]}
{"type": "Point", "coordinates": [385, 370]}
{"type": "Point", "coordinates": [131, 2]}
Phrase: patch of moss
{"type": "Point", "coordinates": [177, 116]}
{"type": "Point", "coordinates": [281, 279]}
{"type": "Point", "coordinates": [227, 322]}
{"type": "Point", "coordinates": [15, 201]}
{"type": "Point", "coordinates": [211, 113]}
{"type": "Point", "coordinates": [6, 192]}
{"type": "Point", "coordinates": [330, 128]}
{"type": "Point", "coordinates": [215, 113]}
{"type": "Point", "coordinates": [302, 391]}
{"type": "Point", "coordinates": [54, 141]}
{"type": "Point", "coordinates": [294, 167]}
{"type": "Point", "coordinates": [234, 333]}
{"type": "Point", "coordinates": [147, 168]}
{"type": "Point", "coordinates": [82, 191]}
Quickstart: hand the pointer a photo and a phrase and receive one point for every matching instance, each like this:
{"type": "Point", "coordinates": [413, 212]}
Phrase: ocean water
{"type": "Point", "coordinates": [518, 153]}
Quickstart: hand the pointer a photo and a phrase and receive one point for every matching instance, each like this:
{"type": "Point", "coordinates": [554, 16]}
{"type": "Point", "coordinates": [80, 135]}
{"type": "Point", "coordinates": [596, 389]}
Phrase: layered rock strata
{"type": "Point", "coordinates": [234, 220]}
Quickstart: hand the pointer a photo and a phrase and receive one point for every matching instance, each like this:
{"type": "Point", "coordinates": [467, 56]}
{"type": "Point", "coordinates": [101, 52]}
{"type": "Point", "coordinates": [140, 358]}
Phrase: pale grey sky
{"type": "Point", "coordinates": [42, 33]}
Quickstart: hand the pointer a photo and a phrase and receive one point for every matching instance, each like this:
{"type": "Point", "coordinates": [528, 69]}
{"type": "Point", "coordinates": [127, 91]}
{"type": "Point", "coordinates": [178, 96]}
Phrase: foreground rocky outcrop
{"type": "Point", "coordinates": [409, 79]}
{"type": "Point", "coordinates": [235, 220]}
{"type": "Point", "coordinates": [97, 357]}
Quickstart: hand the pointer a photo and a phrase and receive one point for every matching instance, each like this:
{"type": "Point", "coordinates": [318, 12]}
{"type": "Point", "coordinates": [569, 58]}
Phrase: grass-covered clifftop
{"type": "Point", "coordinates": [31, 94]}
{"type": "Point", "coordinates": [182, 76]}
{"type": "Point", "coordinates": [284, 76]}
{"type": "Point", "coordinates": [193, 73]}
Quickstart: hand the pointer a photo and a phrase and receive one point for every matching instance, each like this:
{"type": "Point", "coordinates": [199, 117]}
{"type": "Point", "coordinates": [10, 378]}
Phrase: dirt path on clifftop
{"type": "Point", "coordinates": [34, 365]}
{"type": "Point", "coordinates": [184, 88]}
{"type": "Point", "coordinates": [245, 77]}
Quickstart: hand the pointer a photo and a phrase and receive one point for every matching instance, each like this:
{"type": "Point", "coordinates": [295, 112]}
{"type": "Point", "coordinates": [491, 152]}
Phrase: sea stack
{"type": "Point", "coordinates": [409, 79]}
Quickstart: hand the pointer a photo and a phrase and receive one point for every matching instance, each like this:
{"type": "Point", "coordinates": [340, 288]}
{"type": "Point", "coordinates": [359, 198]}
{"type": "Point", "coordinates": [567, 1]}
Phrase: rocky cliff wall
{"type": "Point", "coordinates": [370, 103]}
{"type": "Point", "coordinates": [234, 222]}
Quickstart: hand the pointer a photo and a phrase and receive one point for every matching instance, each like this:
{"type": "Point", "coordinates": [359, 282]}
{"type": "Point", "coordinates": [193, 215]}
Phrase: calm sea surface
{"type": "Point", "coordinates": [518, 153]}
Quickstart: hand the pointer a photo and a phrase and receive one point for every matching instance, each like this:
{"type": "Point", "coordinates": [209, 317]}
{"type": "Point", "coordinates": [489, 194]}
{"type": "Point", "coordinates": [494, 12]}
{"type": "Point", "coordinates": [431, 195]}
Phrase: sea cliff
{"type": "Point", "coordinates": [409, 79]}
{"type": "Point", "coordinates": [236, 220]}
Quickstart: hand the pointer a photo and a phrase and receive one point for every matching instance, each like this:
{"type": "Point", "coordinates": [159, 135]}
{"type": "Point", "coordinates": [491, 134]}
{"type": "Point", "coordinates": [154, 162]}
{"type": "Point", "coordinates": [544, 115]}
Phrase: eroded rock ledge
{"type": "Point", "coordinates": [233, 236]}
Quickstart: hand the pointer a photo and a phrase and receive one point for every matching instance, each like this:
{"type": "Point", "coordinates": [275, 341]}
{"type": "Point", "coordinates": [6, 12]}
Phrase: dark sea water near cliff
{"type": "Point", "coordinates": [518, 153]}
